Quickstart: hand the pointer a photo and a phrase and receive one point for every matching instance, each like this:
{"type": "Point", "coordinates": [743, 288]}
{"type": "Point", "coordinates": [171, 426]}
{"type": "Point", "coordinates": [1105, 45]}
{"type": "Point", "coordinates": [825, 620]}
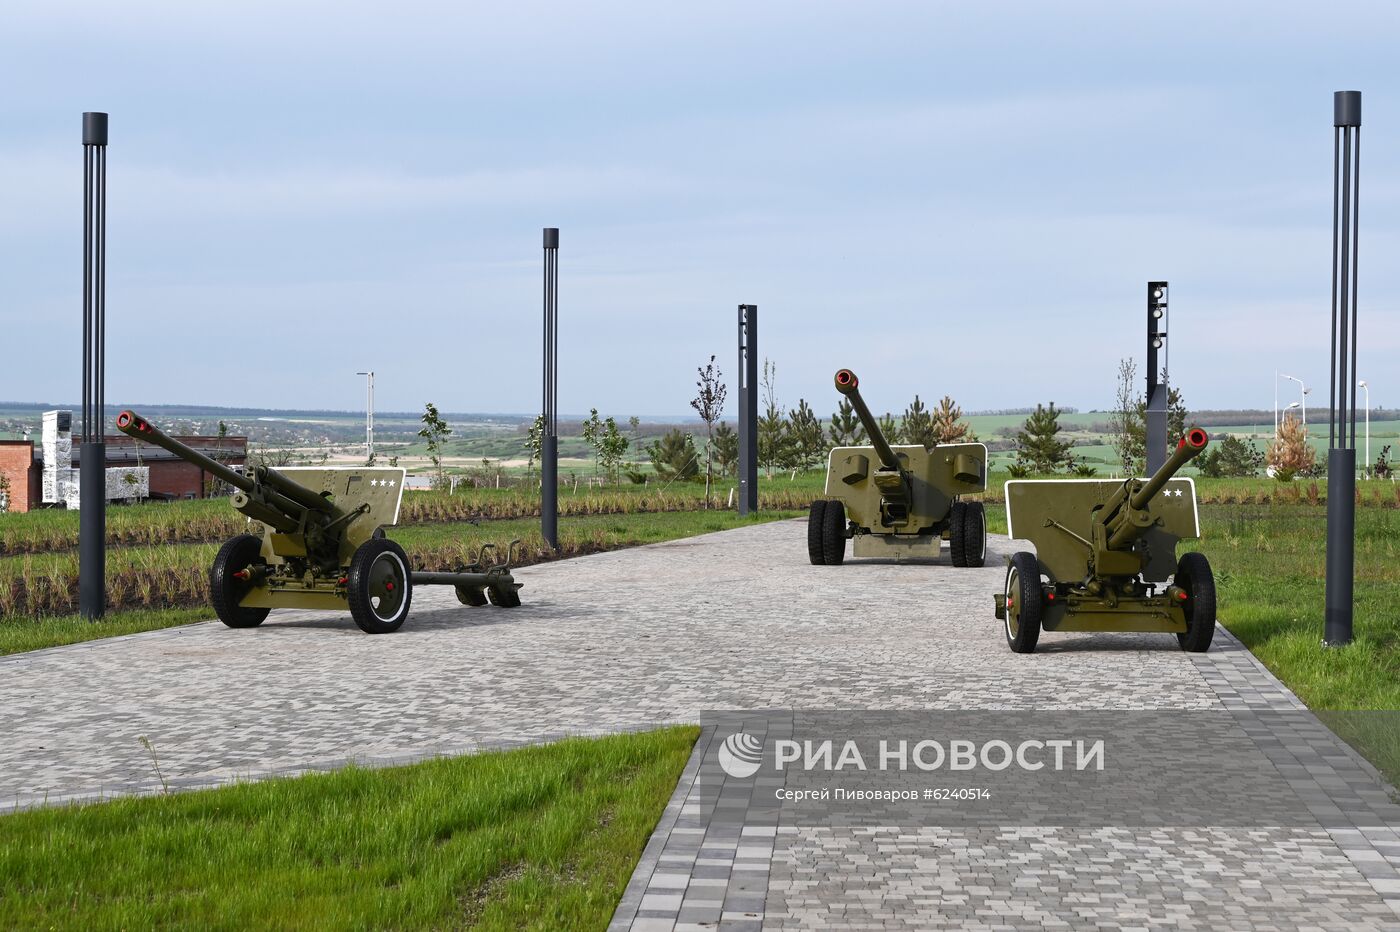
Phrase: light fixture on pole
{"type": "Point", "coordinates": [1366, 463]}
{"type": "Point", "coordinates": [1303, 395]}
{"type": "Point", "coordinates": [369, 416]}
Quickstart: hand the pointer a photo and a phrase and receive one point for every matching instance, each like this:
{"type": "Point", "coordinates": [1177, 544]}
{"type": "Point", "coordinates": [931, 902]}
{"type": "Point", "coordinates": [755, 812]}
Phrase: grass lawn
{"type": "Point", "coordinates": [539, 838]}
{"type": "Point", "coordinates": [1269, 565]}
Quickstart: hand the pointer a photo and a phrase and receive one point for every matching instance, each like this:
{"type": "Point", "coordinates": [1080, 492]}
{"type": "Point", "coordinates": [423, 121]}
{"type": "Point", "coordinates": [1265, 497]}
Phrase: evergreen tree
{"type": "Point", "coordinates": [675, 456]}
{"type": "Point", "coordinates": [808, 442]}
{"type": "Point", "coordinates": [948, 425]}
{"type": "Point", "coordinates": [846, 429]}
{"type": "Point", "coordinates": [918, 424]}
{"type": "Point", "coordinates": [1291, 454]}
{"type": "Point", "coordinates": [1038, 446]}
{"type": "Point", "coordinates": [726, 449]}
{"type": "Point", "coordinates": [890, 428]}
{"type": "Point", "coordinates": [775, 444]}
{"type": "Point", "coordinates": [1231, 458]}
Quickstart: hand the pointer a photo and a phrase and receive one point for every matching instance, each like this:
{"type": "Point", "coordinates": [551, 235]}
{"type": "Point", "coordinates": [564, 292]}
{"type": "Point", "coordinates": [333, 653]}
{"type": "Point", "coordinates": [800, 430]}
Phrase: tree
{"type": "Point", "coordinates": [1128, 425]}
{"type": "Point", "coordinates": [674, 455]}
{"type": "Point", "coordinates": [5, 493]}
{"type": "Point", "coordinates": [1123, 425]}
{"type": "Point", "coordinates": [1383, 468]}
{"type": "Point", "coordinates": [1290, 454]}
{"type": "Point", "coordinates": [948, 425]}
{"type": "Point", "coordinates": [534, 444]}
{"type": "Point", "coordinates": [635, 423]}
{"type": "Point", "coordinates": [918, 424]}
{"type": "Point", "coordinates": [774, 442]}
{"type": "Point", "coordinates": [846, 429]}
{"type": "Point", "coordinates": [1231, 458]}
{"type": "Point", "coordinates": [890, 428]}
{"type": "Point", "coordinates": [593, 436]}
{"type": "Point", "coordinates": [709, 404]}
{"type": "Point", "coordinates": [1038, 446]}
{"type": "Point", "coordinates": [808, 441]}
{"type": "Point", "coordinates": [435, 431]}
{"type": "Point", "coordinates": [612, 449]}
{"type": "Point", "coordinates": [726, 449]}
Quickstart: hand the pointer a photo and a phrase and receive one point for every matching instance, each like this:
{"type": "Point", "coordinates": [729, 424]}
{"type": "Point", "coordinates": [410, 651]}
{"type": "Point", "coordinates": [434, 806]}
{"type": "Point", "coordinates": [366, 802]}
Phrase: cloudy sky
{"type": "Point", "coordinates": [962, 198]}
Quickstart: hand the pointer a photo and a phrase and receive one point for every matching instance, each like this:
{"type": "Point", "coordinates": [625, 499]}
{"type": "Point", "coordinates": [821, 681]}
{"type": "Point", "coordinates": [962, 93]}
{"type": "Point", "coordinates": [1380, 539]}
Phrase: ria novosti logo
{"type": "Point", "coordinates": [741, 755]}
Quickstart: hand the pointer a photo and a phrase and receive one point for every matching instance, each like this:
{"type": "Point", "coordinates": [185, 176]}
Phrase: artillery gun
{"type": "Point", "coordinates": [898, 501]}
{"type": "Point", "coordinates": [321, 544]}
{"type": "Point", "coordinates": [1103, 549]}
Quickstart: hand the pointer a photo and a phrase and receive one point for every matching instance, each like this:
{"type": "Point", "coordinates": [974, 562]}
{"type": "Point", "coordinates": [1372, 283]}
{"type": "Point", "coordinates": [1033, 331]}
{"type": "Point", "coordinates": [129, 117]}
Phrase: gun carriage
{"type": "Point", "coordinates": [321, 544]}
{"type": "Point", "coordinates": [898, 501]}
{"type": "Point", "coordinates": [1104, 552]}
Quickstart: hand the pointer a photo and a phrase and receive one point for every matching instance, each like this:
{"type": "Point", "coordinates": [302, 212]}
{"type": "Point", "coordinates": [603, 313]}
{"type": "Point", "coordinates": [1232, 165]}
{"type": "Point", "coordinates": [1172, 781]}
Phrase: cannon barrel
{"type": "Point", "coordinates": [1187, 449]}
{"type": "Point", "coordinates": [848, 385]}
{"type": "Point", "coordinates": [280, 503]}
{"type": "Point", "coordinates": [134, 425]}
{"type": "Point", "coordinates": [1126, 524]}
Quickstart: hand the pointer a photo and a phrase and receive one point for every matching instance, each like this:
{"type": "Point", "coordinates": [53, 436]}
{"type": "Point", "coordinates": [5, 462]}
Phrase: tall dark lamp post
{"type": "Point", "coordinates": [748, 408]}
{"type": "Point", "coordinates": [549, 436]}
{"type": "Point", "coordinates": [1341, 429]}
{"type": "Point", "coordinates": [92, 475]}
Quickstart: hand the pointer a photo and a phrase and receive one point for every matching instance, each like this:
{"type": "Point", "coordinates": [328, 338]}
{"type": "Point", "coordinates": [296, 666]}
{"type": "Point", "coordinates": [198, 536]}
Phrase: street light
{"type": "Point", "coordinates": [1302, 396]}
{"type": "Point", "coordinates": [1366, 470]}
{"type": "Point", "coordinates": [369, 415]}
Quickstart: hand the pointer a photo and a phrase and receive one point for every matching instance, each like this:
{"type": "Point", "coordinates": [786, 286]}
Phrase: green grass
{"type": "Point", "coordinates": [1269, 565]}
{"type": "Point", "coordinates": [537, 838]}
{"type": "Point", "coordinates": [21, 634]}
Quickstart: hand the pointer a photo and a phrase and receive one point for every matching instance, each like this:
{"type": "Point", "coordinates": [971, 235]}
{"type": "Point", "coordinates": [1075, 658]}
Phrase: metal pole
{"type": "Point", "coordinates": [1157, 386]}
{"type": "Point", "coordinates": [1341, 453]}
{"type": "Point", "coordinates": [92, 465]}
{"type": "Point", "coordinates": [1366, 463]}
{"type": "Point", "coordinates": [748, 408]}
{"type": "Point", "coordinates": [549, 440]}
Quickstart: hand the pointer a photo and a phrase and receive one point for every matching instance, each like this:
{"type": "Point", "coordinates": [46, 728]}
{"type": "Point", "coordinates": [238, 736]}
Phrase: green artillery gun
{"type": "Point", "coordinates": [898, 502]}
{"type": "Point", "coordinates": [1103, 547]}
{"type": "Point", "coordinates": [322, 544]}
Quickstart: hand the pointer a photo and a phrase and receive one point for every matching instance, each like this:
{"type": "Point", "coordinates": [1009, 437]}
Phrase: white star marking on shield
{"type": "Point", "coordinates": [374, 482]}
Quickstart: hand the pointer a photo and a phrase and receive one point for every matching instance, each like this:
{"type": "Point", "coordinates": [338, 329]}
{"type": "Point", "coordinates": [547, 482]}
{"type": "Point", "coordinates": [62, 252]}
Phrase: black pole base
{"type": "Point", "coordinates": [92, 531]}
{"type": "Point", "coordinates": [1341, 546]}
{"type": "Point", "coordinates": [549, 491]}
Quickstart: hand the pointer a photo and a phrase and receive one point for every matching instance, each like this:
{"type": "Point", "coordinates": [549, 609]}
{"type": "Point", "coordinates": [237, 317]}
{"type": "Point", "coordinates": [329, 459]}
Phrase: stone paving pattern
{"type": "Point", "coordinates": [735, 620]}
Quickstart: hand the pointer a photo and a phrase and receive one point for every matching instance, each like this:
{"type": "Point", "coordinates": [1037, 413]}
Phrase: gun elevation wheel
{"type": "Point", "coordinates": [1194, 576]}
{"type": "Point", "coordinates": [1023, 603]}
{"type": "Point", "coordinates": [957, 517]}
{"type": "Point", "coordinates": [834, 533]}
{"type": "Point", "coordinates": [227, 588]}
{"type": "Point", "coordinates": [974, 535]}
{"type": "Point", "coordinates": [378, 586]}
{"type": "Point", "coordinates": [816, 526]}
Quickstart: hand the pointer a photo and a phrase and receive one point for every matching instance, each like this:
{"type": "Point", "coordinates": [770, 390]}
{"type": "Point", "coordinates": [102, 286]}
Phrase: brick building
{"type": "Point", "coordinates": [171, 477]}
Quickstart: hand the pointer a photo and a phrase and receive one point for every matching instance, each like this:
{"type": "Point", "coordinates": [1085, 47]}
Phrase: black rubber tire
{"type": "Point", "coordinates": [816, 515]}
{"type": "Point", "coordinates": [472, 596]}
{"type": "Point", "coordinates": [834, 533]}
{"type": "Point", "coordinates": [1023, 600]}
{"type": "Point", "coordinates": [957, 518]}
{"type": "Point", "coordinates": [378, 570]}
{"type": "Point", "coordinates": [503, 598]}
{"type": "Point", "coordinates": [1193, 574]}
{"type": "Point", "coordinates": [974, 535]}
{"type": "Point", "coordinates": [225, 591]}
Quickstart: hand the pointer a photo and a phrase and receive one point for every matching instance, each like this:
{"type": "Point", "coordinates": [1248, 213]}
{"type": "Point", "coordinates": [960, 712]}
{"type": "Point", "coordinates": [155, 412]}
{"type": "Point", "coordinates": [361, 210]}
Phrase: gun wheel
{"type": "Point", "coordinates": [1194, 576]}
{"type": "Point", "coordinates": [226, 589]}
{"type": "Point", "coordinates": [1023, 603]}
{"type": "Point", "coordinates": [834, 533]}
{"type": "Point", "coordinates": [974, 536]}
{"type": "Point", "coordinates": [815, 526]}
{"type": "Point", "coordinates": [957, 542]}
{"type": "Point", "coordinates": [379, 587]}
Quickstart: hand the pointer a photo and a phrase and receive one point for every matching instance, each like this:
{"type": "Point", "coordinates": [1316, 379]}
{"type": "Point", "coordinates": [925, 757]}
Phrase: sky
{"type": "Point", "coordinates": [949, 198]}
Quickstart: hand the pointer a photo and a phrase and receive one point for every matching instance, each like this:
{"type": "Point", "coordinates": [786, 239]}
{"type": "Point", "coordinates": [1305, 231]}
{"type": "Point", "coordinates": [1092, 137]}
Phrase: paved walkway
{"type": "Point", "coordinates": [736, 620]}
